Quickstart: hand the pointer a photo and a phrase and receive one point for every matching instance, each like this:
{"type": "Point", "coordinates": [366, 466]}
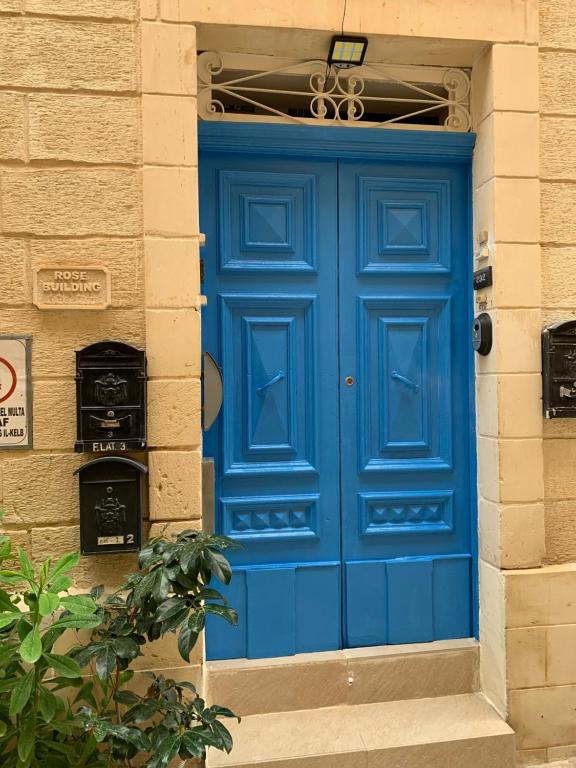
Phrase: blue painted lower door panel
{"type": "Point", "coordinates": [410, 600]}
{"type": "Point", "coordinates": [339, 310]}
{"type": "Point", "coordinates": [289, 609]}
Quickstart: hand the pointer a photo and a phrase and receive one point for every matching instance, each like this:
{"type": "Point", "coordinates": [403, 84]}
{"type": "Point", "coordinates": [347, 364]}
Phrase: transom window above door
{"type": "Point", "coordinates": [234, 86]}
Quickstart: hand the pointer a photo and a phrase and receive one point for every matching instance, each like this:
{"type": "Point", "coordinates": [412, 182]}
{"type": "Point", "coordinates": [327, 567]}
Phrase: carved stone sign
{"type": "Point", "coordinates": [15, 393]}
{"type": "Point", "coordinates": [72, 287]}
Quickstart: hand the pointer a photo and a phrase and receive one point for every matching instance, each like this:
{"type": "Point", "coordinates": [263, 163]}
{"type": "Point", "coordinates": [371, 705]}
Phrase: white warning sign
{"type": "Point", "coordinates": [15, 393]}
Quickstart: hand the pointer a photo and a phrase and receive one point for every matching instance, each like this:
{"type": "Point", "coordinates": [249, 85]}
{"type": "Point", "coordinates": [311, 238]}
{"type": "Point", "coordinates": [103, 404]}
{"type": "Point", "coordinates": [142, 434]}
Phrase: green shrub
{"type": "Point", "coordinates": [75, 707]}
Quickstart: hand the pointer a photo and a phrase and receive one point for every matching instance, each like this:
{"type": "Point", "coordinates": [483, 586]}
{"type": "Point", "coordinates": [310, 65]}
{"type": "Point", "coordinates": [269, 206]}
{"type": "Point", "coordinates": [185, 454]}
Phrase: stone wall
{"type": "Point", "coordinates": [70, 193]}
{"type": "Point", "coordinates": [98, 166]}
{"type": "Point", "coordinates": [541, 603]}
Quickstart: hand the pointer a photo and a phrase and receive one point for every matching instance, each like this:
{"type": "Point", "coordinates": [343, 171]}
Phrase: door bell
{"type": "Point", "coordinates": [482, 333]}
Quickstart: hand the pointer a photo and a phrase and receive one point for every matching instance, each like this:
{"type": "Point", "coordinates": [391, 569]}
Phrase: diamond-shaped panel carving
{"type": "Point", "coordinates": [267, 223]}
{"type": "Point", "coordinates": [382, 513]}
{"type": "Point", "coordinates": [405, 227]}
{"type": "Point", "coordinates": [275, 516]}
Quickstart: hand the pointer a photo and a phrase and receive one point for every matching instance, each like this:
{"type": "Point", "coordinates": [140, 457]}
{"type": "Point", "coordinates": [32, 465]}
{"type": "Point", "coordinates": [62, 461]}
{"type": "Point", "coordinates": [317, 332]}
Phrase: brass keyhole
{"type": "Point", "coordinates": [349, 381]}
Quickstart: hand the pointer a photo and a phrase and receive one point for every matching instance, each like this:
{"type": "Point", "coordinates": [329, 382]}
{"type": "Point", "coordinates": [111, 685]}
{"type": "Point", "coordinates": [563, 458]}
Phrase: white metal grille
{"type": "Point", "coordinates": [265, 88]}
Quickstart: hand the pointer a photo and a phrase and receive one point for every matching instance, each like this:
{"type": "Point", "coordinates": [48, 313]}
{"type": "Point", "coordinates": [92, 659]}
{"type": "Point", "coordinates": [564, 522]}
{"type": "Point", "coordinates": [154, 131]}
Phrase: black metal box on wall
{"type": "Point", "coordinates": [110, 398]}
{"type": "Point", "coordinates": [559, 370]}
{"type": "Point", "coordinates": [111, 505]}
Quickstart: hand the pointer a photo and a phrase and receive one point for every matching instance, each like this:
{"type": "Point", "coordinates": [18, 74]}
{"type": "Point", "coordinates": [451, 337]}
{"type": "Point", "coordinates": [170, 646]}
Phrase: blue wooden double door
{"type": "Point", "coordinates": [338, 309]}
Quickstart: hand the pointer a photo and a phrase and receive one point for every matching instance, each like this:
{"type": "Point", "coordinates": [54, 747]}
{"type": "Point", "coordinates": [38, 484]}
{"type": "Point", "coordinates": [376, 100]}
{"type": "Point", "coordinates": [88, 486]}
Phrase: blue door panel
{"type": "Point", "coordinates": [319, 608]}
{"type": "Point", "coordinates": [225, 641]}
{"type": "Point", "coordinates": [282, 610]}
{"type": "Point", "coordinates": [339, 308]}
{"type": "Point", "coordinates": [453, 616]}
{"type": "Point", "coordinates": [366, 604]}
{"type": "Point", "coordinates": [408, 600]}
{"type": "Point", "coordinates": [268, 343]}
{"type": "Point", "coordinates": [271, 622]}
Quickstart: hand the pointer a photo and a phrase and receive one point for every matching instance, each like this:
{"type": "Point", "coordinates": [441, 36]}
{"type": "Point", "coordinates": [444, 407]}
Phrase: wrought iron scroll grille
{"type": "Point", "coordinates": [265, 88]}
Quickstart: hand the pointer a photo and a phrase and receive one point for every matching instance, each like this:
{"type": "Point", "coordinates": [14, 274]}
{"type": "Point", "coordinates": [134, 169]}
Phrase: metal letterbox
{"type": "Point", "coordinates": [111, 505]}
{"type": "Point", "coordinates": [110, 398]}
{"type": "Point", "coordinates": [559, 370]}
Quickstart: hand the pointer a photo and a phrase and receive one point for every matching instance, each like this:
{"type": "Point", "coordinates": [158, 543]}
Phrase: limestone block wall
{"type": "Point", "coordinates": [541, 603]}
{"type": "Point", "coordinates": [171, 248]}
{"type": "Point", "coordinates": [70, 194]}
{"type": "Point", "coordinates": [98, 167]}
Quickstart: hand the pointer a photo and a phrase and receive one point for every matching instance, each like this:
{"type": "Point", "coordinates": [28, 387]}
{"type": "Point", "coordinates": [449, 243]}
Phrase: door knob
{"type": "Point", "coordinates": [349, 381]}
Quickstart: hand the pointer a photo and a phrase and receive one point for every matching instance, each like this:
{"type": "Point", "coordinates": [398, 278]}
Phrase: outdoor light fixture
{"type": "Point", "coordinates": [346, 52]}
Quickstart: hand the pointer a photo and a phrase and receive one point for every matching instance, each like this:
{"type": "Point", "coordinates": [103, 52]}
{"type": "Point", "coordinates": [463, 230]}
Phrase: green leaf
{"type": "Point", "coordinates": [63, 665]}
{"type": "Point", "coordinates": [126, 648]}
{"type": "Point", "coordinates": [3, 729]}
{"type": "Point", "coordinates": [129, 698]}
{"type": "Point", "coordinates": [48, 602]}
{"type": "Point", "coordinates": [61, 584]}
{"type": "Point", "coordinates": [5, 547]}
{"type": "Point", "coordinates": [21, 693]}
{"type": "Point", "coordinates": [219, 565]}
{"type": "Point", "coordinates": [197, 620]}
{"type": "Point", "coordinates": [84, 655]}
{"type": "Point", "coordinates": [166, 751]}
{"type": "Point", "coordinates": [5, 602]}
{"type": "Point", "coordinates": [86, 693]}
{"type": "Point", "coordinates": [105, 662]}
{"type": "Point", "coordinates": [169, 608]}
{"type": "Point", "coordinates": [186, 641]}
{"type": "Point", "coordinates": [223, 732]}
{"type": "Point", "coordinates": [125, 676]}
{"type": "Point", "coordinates": [208, 738]}
{"type": "Point", "coordinates": [141, 712]}
{"type": "Point", "coordinates": [215, 709]}
{"type": "Point", "coordinates": [161, 585]}
{"type": "Point", "coordinates": [31, 647]}
{"type": "Point", "coordinates": [26, 739]}
{"type": "Point", "coordinates": [65, 563]}
{"type": "Point", "coordinates": [77, 622]}
{"type": "Point", "coordinates": [7, 618]}
{"type": "Point", "coordinates": [47, 704]}
{"type": "Point", "coordinates": [222, 610]}
{"type": "Point", "coordinates": [195, 745]}
{"type": "Point", "coordinates": [6, 653]}
{"type": "Point", "coordinates": [80, 605]}
{"type": "Point", "coordinates": [25, 564]}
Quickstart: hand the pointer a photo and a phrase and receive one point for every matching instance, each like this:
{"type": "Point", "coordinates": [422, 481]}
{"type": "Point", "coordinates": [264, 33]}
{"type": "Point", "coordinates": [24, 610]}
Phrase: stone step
{"type": "Point", "coordinates": [444, 732]}
{"type": "Point", "coordinates": [353, 676]}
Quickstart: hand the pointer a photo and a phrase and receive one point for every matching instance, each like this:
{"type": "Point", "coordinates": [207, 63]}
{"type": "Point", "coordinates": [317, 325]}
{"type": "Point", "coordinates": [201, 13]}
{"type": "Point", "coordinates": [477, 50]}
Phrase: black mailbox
{"type": "Point", "coordinates": [110, 398]}
{"type": "Point", "coordinates": [559, 370]}
{"type": "Point", "coordinates": [110, 505]}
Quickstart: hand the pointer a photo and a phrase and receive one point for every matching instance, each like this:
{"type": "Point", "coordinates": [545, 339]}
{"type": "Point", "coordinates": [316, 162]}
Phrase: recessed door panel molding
{"type": "Point", "coordinates": [403, 226]}
{"type": "Point", "coordinates": [404, 393]}
{"type": "Point", "coordinates": [272, 517]}
{"type": "Point", "coordinates": [408, 512]}
{"type": "Point", "coordinates": [267, 347]}
{"type": "Point", "coordinates": [267, 221]}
